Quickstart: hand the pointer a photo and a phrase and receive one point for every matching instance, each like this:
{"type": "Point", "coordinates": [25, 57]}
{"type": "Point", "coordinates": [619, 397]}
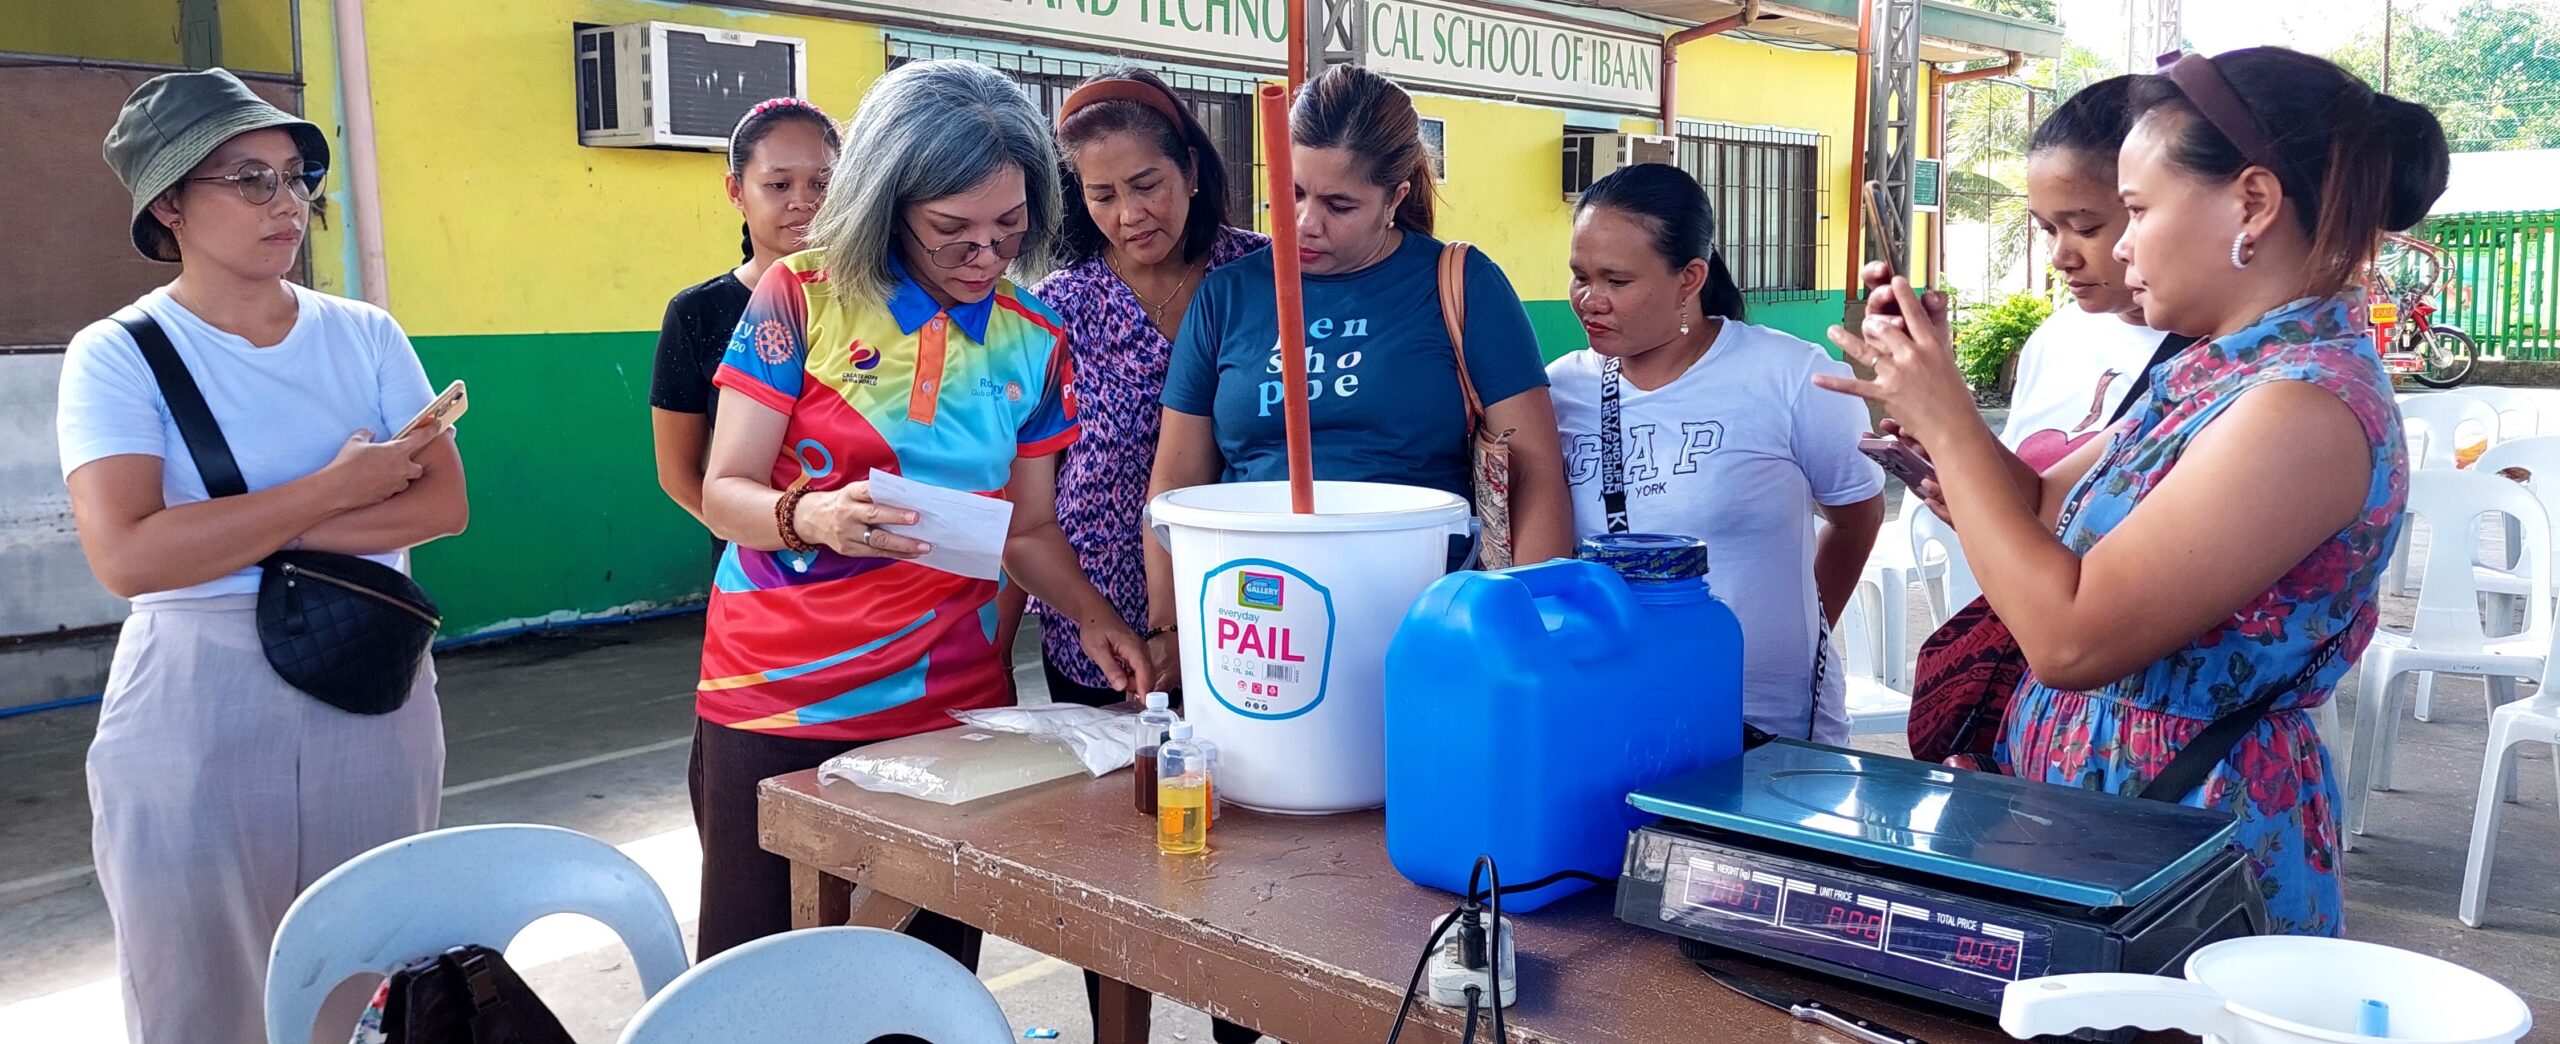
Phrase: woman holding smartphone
{"type": "Point", "coordinates": [218, 790]}
{"type": "Point", "coordinates": [2177, 574]}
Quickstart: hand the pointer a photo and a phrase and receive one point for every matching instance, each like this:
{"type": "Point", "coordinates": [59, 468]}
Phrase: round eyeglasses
{"type": "Point", "coordinates": [258, 182]}
{"type": "Point", "coordinates": [954, 255]}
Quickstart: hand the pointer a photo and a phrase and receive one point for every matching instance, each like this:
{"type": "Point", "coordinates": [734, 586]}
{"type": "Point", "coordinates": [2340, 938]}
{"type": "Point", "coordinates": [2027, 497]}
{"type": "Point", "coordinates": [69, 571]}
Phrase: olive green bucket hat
{"type": "Point", "coordinates": [173, 122]}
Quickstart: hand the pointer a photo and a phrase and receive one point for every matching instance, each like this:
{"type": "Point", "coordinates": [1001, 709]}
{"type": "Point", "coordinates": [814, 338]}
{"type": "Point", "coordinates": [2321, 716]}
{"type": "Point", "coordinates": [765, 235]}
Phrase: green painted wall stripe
{"type": "Point", "coordinates": [566, 514]}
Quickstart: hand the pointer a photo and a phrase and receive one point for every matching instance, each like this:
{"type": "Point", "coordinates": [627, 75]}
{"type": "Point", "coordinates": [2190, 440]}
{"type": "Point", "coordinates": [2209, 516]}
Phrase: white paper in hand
{"type": "Point", "coordinates": [967, 531]}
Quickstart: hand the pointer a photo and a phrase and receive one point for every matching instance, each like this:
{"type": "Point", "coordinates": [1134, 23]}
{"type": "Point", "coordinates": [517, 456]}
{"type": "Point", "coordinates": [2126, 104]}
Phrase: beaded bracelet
{"type": "Point", "coordinates": [785, 511]}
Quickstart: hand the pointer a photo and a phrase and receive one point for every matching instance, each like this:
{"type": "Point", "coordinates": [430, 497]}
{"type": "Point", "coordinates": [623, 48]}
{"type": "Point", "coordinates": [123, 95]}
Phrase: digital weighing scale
{"type": "Point", "coordinates": [1941, 884]}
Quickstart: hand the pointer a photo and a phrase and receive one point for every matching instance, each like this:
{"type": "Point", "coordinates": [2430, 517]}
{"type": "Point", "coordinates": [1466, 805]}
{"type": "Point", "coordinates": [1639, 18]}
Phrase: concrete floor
{"type": "Point", "coordinates": [588, 730]}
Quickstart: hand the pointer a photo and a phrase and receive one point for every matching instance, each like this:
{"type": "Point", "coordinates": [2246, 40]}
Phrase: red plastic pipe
{"type": "Point", "coordinates": [1280, 184]}
{"type": "Point", "coordinates": [1299, 32]}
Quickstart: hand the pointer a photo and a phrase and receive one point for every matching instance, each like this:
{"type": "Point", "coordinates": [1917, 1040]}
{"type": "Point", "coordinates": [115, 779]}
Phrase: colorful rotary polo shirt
{"type": "Point", "coordinates": [826, 646]}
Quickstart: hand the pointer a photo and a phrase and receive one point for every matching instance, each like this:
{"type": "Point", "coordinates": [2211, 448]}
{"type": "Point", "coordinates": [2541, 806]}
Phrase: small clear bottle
{"type": "Point", "coordinates": [1182, 795]}
{"type": "Point", "coordinates": [1153, 723]}
{"type": "Point", "coordinates": [1209, 754]}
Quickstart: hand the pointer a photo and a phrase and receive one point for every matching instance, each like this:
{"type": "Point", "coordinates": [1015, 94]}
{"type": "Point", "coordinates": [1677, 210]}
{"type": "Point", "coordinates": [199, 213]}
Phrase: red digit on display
{"type": "Point", "coordinates": [2008, 957]}
{"type": "Point", "coordinates": [1968, 950]}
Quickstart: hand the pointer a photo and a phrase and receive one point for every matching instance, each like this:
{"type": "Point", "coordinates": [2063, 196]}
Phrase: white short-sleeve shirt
{"type": "Point", "coordinates": [1737, 451]}
{"type": "Point", "coordinates": [285, 409]}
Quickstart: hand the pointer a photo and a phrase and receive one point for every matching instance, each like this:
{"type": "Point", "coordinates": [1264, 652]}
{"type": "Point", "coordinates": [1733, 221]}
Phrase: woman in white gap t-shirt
{"type": "Point", "coordinates": [1722, 436]}
{"type": "Point", "coordinates": [218, 792]}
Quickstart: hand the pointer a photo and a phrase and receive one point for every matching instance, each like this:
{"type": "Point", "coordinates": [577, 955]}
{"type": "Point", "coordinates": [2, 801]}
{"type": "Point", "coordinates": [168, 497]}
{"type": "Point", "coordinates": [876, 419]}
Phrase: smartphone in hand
{"type": "Point", "coordinates": [447, 408]}
{"type": "Point", "coordinates": [1898, 460]}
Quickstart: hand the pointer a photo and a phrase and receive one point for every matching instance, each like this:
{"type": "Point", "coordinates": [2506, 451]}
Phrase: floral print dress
{"type": "Point", "coordinates": [1120, 359]}
{"type": "Point", "coordinates": [2277, 779]}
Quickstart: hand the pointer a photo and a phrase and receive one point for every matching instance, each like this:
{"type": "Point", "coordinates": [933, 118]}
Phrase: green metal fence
{"type": "Point", "coordinates": [2502, 280]}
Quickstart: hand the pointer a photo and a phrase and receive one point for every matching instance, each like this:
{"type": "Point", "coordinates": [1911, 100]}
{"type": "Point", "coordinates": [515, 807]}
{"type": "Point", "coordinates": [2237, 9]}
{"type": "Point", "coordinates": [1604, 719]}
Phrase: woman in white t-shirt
{"type": "Point", "coordinates": [1719, 434]}
{"type": "Point", "coordinates": [2077, 370]}
{"type": "Point", "coordinates": [217, 790]}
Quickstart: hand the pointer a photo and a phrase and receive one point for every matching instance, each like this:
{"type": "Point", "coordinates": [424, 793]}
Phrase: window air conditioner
{"type": "Point", "coordinates": [664, 85]}
{"type": "Point", "coordinates": [1590, 157]}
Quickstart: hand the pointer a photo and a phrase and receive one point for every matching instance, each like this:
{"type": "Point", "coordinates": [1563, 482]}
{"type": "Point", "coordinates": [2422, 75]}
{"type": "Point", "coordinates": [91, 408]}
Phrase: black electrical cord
{"type": "Point", "coordinates": [1475, 996]}
{"type": "Point", "coordinates": [1494, 877]}
{"type": "Point", "coordinates": [1551, 879]}
{"type": "Point", "coordinates": [1415, 983]}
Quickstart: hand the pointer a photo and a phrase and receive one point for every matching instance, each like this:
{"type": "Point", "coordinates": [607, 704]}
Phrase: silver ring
{"type": "Point", "coordinates": [866, 536]}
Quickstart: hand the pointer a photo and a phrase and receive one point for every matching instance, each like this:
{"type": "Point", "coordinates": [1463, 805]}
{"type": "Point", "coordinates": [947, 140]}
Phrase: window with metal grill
{"type": "Point", "coordinates": [1767, 189]}
{"type": "Point", "coordinates": [1224, 105]}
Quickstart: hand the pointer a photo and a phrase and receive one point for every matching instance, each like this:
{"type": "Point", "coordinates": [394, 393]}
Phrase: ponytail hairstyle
{"type": "Point", "coordinates": [1667, 200]}
{"type": "Point", "coordinates": [751, 132]}
{"type": "Point", "coordinates": [1172, 130]}
{"type": "Point", "coordinates": [2091, 126]}
{"type": "Point", "coordinates": [2354, 162]}
{"type": "Point", "coordinates": [1350, 107]}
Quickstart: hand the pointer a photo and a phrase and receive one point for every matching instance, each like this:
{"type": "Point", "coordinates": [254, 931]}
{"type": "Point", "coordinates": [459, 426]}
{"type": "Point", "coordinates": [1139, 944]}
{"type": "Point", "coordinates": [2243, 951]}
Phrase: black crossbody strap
{"type": "Point", "coordinates": [178, 388]}
{"type": "Point", "coordinates": [2169, 348]}
{"type": "Point", "coordinates": [2189, 767]}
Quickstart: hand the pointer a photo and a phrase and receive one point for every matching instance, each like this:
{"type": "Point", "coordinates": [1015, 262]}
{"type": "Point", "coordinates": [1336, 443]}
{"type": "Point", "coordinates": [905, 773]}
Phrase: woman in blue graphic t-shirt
{"type": "Point", "coordinates": [1384, 397]}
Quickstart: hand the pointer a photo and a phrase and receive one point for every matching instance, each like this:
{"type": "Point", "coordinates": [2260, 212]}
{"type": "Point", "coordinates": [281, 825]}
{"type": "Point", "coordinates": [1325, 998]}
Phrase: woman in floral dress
{"type": "Point", "coordinates": [2224, 544]}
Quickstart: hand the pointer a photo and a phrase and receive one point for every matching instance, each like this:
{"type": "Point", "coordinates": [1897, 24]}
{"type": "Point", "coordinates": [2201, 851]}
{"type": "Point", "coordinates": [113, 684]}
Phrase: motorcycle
{"type": "Point", "coordinates": [2401, 315]}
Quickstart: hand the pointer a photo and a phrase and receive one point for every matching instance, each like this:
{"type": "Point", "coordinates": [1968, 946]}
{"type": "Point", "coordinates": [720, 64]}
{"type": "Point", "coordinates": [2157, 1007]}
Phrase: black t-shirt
{"type": "Point", "coordinates": [691, 342]}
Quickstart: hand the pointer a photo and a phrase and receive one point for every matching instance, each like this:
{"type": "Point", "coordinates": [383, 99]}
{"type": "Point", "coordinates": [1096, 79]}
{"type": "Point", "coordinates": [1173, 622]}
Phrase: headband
{"type": "Point", "coordinates": [770, 104]}
{"type": "Point", "coordinates": [2202, 83]}
{"type": "Point", "coordinates": [1099, 91]}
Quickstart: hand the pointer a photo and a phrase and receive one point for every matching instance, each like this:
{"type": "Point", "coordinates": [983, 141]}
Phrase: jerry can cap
{"type": "Point", "coordinates": [1648, 557]}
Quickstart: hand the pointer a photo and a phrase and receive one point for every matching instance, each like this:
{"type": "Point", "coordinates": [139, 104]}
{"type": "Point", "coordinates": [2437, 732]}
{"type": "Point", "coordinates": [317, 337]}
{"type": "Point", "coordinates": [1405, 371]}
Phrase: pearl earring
{"type": "Point", "coordinates": [2239, 248]}
{"type": "Point", "coordinates": [1684, 320]}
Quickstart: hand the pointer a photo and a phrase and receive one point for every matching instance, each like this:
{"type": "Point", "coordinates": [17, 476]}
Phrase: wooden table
{"type": "Point", "coordinates": [1298, 927]}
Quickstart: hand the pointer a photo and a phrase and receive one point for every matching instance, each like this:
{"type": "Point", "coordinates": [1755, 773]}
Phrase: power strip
{"type": "Point", "coordinates": [1449, 975]}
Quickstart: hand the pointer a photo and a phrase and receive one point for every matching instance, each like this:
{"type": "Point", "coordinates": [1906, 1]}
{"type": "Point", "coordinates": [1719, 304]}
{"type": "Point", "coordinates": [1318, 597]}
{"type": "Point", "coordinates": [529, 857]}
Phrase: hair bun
{"type": "Point", "coordinates": [2419, 159]}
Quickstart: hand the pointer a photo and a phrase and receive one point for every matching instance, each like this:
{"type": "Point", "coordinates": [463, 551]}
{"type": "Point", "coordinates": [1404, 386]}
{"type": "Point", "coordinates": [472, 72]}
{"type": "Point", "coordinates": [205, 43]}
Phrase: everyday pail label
{"type": "Point", "coordinates": [1267, 630]}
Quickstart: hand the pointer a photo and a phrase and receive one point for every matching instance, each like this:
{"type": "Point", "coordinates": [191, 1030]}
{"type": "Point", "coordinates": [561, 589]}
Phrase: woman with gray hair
{"type": "Point", "coordinates": [895, 345]}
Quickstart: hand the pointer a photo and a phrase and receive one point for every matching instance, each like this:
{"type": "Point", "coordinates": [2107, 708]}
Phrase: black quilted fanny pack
{"type": "Point", "coordinates": [347, 630]}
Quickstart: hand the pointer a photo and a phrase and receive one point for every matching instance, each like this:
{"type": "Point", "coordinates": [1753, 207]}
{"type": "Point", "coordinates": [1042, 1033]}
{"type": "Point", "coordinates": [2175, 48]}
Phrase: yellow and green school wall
{"type": "Point", "coordinates": [538, 269]}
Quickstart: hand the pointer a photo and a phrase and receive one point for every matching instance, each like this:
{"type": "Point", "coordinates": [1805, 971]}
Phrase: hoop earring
{"type": "Point", "coordinates": [1684, 320]}
{"type": "Point", "coordinates": [2240, 256]}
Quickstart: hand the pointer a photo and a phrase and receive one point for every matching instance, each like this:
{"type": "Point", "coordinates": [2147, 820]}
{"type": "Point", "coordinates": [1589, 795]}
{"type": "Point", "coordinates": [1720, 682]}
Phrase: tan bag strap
{"type": "Point", "coordinates": [1453, 312]}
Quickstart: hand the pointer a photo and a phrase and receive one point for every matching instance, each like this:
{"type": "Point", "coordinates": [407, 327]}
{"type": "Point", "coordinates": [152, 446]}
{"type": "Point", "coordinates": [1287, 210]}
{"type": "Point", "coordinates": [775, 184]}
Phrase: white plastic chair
{"type": "Point", "coordinates": [1875, 708]}
{"type": "Point", "coordinates": [823, 986]}
{"type": "Point", "coordinates": [2447, 636]}
{"type": "Point", "coordinates": [426, 894]}
{"type": "Point", "coordinates": [2434, 425]}
{"type": "Point", "coordinates": [1952, 586]}
{"type": "Point", "coordinates": [2540, 456]}
{"type": "Point", "coordinates": [1887, 587]}
{"type": "Point", "coordinates": [2519, 412]}
{"type": "Point", "coordinates": [2534, 720]}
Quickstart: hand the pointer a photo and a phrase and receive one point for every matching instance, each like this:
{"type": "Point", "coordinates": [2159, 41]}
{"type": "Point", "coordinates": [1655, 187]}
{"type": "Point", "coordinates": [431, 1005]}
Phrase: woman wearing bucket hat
{"type": "Point", "coordinates": [218, 790]}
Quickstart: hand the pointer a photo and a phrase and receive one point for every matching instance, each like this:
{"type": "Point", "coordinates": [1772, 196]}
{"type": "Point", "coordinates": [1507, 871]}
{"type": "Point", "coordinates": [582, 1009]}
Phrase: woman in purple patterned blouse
{"type": "Point", "coordinates": [1145, 219]}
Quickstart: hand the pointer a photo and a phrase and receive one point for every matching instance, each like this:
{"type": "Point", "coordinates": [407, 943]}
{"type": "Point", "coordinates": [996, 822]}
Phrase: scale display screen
{"type": "Point", "coordinates": [1940, 945]}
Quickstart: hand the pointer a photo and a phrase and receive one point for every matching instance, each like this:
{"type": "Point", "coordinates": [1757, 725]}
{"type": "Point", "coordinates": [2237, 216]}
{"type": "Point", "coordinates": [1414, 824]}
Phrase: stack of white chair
{"type": "Point", "coordinates": [422, 895]}
{"type": "Point", "coordinates": [2519, 412]}
{"type": "Point", "coordinates": [2532, 720]}
{"type": "Point", "coordinates": [1876, 707]}
{"type": "Point", "coordinates": [2448, 635]}
{"type": "Point", "coordinates": [2433, 425]}
{"type": "Point", "coordinates": [1951, 585]}
{"type": "Point", "coordinates": [1886, 590]}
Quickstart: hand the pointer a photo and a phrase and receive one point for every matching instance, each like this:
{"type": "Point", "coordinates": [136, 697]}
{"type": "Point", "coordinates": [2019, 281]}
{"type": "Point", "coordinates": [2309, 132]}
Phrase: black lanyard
{"type": "Point", "coordinates": [1613, 451]}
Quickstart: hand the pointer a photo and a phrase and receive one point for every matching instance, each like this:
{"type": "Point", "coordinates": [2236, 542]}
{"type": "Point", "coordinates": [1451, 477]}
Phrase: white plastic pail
{"type": "Point", "coordinates": [1283, 622]}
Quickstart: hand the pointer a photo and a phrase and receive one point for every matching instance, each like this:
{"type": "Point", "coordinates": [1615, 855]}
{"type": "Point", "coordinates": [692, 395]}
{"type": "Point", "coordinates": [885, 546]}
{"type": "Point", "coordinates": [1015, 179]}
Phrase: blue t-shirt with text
{"type": "Point", "coordinates": [1382, 378]}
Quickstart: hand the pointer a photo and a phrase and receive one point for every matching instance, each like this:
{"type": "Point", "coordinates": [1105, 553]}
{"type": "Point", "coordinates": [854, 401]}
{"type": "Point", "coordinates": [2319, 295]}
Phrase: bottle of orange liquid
{"type": "Point", "coordinates": [1182, 795]}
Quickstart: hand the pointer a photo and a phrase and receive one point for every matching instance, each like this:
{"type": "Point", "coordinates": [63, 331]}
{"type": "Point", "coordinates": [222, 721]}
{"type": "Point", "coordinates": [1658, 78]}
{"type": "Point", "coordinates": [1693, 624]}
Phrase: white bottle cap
{"type": "Point", "coordinates": [1181, 730]}
{"type": "Point", "coordinates": [1159, 700]}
